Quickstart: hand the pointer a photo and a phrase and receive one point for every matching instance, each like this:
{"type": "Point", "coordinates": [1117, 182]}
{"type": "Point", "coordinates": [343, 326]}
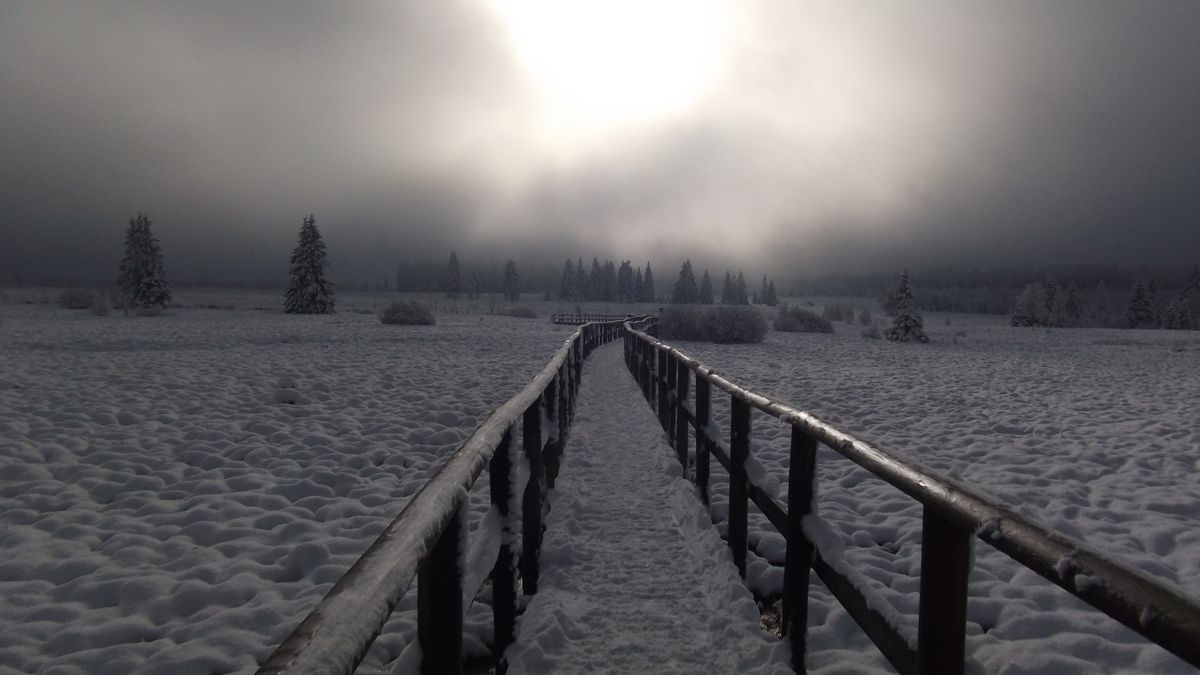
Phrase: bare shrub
{"type": "Point", "coordinates": [519, 311]}
{"type": "Point", "coordinates": [838, 312]}
{"type": "Point", "coordinates": [864, 317]}
{"type": "Point", "coordinates": [75, 298]}
{"type": "Point", "coordinates": [798, 320]}
{"type": "Point", "coordinates": [406, 314]}
{"type": "Point", "coordinates": [726, 324]}
{"type": "Point", "coordinates": [99, 304]}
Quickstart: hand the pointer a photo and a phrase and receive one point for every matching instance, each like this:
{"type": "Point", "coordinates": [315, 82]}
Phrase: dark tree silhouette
{"type": "Point", "coordinates": [706, 289]}
{"type": "Point", "coordinates": [648, 292]}
{"type": "Point", "coordinates": [141, 279]}
{"type": "Point", "coordinates": [566, 289]}
{"type": "Point", "coordinates": [309, 289]}
{"type": "Point", "coordinates": [454, 282]}
{"type": "Point", "coordinates": [512, 282]}
{"type": "Point", "coordinates": [685, 291]}
{"type": "Point", "coordinates": [907, 325]}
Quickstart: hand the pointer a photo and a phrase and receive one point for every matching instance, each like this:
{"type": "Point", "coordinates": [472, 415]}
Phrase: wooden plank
{"type": "Point", "coordinates": [531, 502]}
{"type": "Point", "coordinates": [801, 475]}
{"type": "Point", "coordinates": [439, 603]}
{"type": "Point", "coordinates": [945, 565]}
{"type": "Point", "coordinates": [702, 442]}
{"type": "Point", "coordinates": [739, 450]}
{"type": "Point", "coordinates": [681, 415]}
{"type": "Point", "coordinates": [504, 583]}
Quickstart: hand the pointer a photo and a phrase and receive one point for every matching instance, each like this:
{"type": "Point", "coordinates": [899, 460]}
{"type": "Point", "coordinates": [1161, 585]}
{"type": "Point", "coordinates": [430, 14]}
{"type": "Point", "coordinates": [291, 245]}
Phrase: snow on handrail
{"type": "Point", "coordinates": [1157, 610]}
{"type": "Point", "coordinates": [335, 636]}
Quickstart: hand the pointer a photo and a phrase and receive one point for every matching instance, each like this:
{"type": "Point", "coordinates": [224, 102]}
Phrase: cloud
{"type": "Point", "coordinates": [831, 135]}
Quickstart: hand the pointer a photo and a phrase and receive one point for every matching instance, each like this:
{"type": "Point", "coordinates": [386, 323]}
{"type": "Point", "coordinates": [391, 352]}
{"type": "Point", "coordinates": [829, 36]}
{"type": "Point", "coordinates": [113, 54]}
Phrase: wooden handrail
{"type": "Point", "coordinates": [953, 514]}
{"type": "Point", "coordinates": [423, 542]}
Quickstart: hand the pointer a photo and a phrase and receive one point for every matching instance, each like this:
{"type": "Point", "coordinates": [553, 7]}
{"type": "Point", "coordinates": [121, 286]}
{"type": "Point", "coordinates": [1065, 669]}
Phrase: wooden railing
{"type": "Point", "coordinates": [580, 319]}
{"type": "Point", "coordinates": [426, 540]}
{"type": "Point", "coordinates": [679, 388]}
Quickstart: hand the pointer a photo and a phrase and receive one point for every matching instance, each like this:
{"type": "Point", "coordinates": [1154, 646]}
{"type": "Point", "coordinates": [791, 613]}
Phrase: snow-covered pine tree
{"type": "Point", "coordinates": [454, 281]}
{"type": "Point", "coordinates": [1030, 307]}
{"type": "Point", "coordinates": [512, 281]}
{"type": "Point", "coordinates": [762, 291]}
{"type": "Point", "coordinates": [625, 289]}
{"type": "Point", "coordinates": [907, 324]}
{"type": "Point", "coordinates": [728, 294]}
{"type": "Point", "coordinates": [608, 287]}
{"type": "Point", "coordinates": [772, 297]}
{"type": "Point", "coordinates": [1140, 312]}
{"type": "Point", "coordinates": [706, 289]}
{"type": "Point", "coordinates": [309, 290]}
{"type": "Point", "coordinates": [648, 292]}
{"type": "Point", "coordinates": [1072, 310]}
{"type": "Point", "coordinates": [141, 279]}
{"type": "Point", "coordinates": [566, 288]}
{"type": "Point", "coordinates": [741, 296]}
{"type": "Point", "coordinates": [1051, 300]}
{"type": "Point", "coordinates": [685, 291]}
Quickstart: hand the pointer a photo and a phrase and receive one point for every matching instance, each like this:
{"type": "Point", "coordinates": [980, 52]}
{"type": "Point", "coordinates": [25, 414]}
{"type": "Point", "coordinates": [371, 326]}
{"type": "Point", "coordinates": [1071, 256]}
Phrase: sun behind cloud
{"type": "Point", "coordinates": [605, 64]}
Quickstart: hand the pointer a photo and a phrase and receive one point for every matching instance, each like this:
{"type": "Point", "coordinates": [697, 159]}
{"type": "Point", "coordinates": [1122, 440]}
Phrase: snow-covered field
{"type": "Point", "coordinates": [177, 492]}
{"type": "Point", "coordinates": [1093, 432]}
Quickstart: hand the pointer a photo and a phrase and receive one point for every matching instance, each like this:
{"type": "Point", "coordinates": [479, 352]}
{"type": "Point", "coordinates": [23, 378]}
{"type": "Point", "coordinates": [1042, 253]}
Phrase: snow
{"type": "Point", "coordinates": [1091, 432]}
{"type": "Point", "coordinates": [634, 577]}
{"type": "Point", "coordinates": [161, 509]}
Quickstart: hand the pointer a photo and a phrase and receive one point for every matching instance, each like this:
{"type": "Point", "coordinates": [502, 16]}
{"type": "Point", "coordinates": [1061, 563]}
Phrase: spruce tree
{"type": "Point", "coordinates": [581, 282]}
{"type": "Point", "coordinates": [1140, 312]}
{"type": "Point", "coordinates": [772, 297]}
{"type": "Point", "coordinates": [907, 324]}
{"type": "Point", "coordinates": [1030, 307]}
{"type": "Point", "coordinates": [454, 281]}
{"type": "Point", "coordinates": [728, 294]}
{"type": "Point", "coordinates": [762, 292]}
{"type": "Point", "coordinates": [741, 296]}
{"type": "Point", "coordinates": [512, 282]}
{"type": "Point", "coordinates": [638, 286]}
{"type": "Point", "coordinates": [141, 279]}
{"type": "Point", "coordinates": [685, 291]}
{"type": "Point", "coordinates": [648, 292]}
{"type": "Point", "coordinates": [1072, 310]}
{"type": "Point", "coordinates": [608, 287]}
{"type": "Point", "coordinates": [706, 290]}
{"type": "Point", "coordinates": [309, 290]}
{"type": "Point", "coordinates": [625, 281]}
{"type": "Point", "coordinates": [566, 288]}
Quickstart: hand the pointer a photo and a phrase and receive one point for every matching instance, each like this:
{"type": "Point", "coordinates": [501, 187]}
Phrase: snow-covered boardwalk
{"type": "Point", "coordinates": [634, 576]}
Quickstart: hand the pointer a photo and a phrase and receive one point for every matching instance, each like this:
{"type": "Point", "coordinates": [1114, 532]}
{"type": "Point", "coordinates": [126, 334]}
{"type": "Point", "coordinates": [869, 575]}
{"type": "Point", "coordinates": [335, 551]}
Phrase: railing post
{"type": "Point", "coordinates": [661, 383]}
{"type": "Point", "coordinates": [531, 502]}
{"type": "Point", "coordinates": [801, 472]}
{"type": "Point", "coordinates": [681, 418]}
{"type": "Point", "coordinates": [644, 369]}
{"type": "Point", "coordinates": [942, 620]}
{"type": "Point", "coordinates": [504, 586]}
{"type": "Point", "coordinates": [553, 451]}
{"type": "Point", "coordinates": [702, 398]}
{"type": "Point", "coordinates": [739, 452]}
{"type": "Point", "coordinates": [578, 365]}
{"type": "Point", "coordinates": [439, 603]}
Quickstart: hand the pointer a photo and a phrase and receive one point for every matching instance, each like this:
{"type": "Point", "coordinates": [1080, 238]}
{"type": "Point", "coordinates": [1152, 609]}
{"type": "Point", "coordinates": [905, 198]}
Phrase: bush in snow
{"type": "Point", "coordinates": [406, 314]}
{"type": "Point", "coordinates": [797, 320]}
{"type": "Point", "coordinates": [864, 317]}
{"type": "Point", "coordinates": [309, 290]}
{"type": "Point", "coordinates": [141, 278]}
{"type": "Point", "coordinates": [872, 332]}
{"type": "Point", "coordinates": [519, 311]}
{"type": "Point", "coordinates": [722, 324]}
{"type": "Point", "coordinates": [75, 298]}
{"type": "Point", "coordinates": [907, 324]}
{"type": "Point", "coordinates": [99, 305]}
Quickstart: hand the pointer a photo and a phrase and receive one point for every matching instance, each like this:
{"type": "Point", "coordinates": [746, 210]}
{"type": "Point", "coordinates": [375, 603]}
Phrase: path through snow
{"type": "Point", "coordinates": [634, 576]}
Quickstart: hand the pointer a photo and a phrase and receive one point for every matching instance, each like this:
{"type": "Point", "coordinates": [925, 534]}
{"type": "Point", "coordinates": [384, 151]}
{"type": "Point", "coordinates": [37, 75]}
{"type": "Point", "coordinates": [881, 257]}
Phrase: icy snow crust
{"type": "Point", "coordinates": [177, 492]}
{"type": "Point", "coordinates": [1091, 432]}
{"type": "Point", "coordinates": [634, 577]}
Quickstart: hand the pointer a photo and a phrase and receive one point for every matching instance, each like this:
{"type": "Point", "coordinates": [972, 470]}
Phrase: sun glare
{"type": "Point", "coordinates": [602, 63]}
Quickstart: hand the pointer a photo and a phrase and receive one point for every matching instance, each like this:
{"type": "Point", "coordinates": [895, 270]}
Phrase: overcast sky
{"type": "Point", "coordinates": [785, 136]}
